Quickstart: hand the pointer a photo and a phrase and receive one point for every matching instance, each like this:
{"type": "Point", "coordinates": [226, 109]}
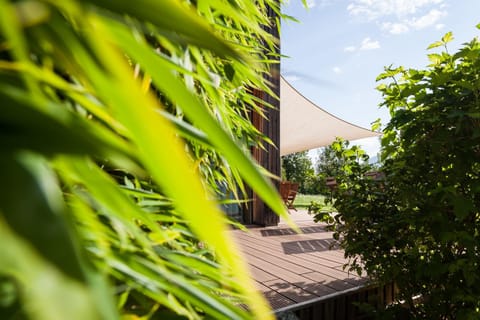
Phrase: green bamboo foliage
{"type": "Point", "coordinates": [121, 126]}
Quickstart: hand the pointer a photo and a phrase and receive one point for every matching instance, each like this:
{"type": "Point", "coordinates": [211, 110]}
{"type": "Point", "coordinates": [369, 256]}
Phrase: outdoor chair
{"type": "Point", "coordinates": [288, 192]}
{"type": "Point", "coordinates": [331, 183]}
{"type": "Point", "coordinates": [292, 193]}
{"type": "Point", "coordinates": [284, 190]}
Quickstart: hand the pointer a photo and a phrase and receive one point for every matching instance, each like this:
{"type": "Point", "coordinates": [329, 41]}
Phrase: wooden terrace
{"type": "Point", "coordinates": [297, 270]}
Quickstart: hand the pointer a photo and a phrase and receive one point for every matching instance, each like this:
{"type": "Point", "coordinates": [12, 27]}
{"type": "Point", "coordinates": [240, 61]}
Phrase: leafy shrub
{"type": "Point", "coordinates": [320, 212]}
{"type": "Point", "coordinates": [419, 223]}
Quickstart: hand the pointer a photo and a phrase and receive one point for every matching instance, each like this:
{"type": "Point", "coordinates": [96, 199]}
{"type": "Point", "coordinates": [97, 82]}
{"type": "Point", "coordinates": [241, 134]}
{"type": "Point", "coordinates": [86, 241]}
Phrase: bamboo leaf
{"type": "Point", "coordinates": [37, 245]}
{"type": "Point", "coordinates": [43, 284]}
{"type": "Point", "coordinates": [153, 279]}
{"type": "Point", "coordinates": [107, 195]}
{"type": "Point", "coordinates": [169, 166]}
{"type": "Point", "coordinates": [69, 93]}
{"type": "Point", "coordinates": [175, 89]}
{"type": "Point", "coordinates": [186, 130]}
{"type": "Point", "coordinates": [37, 124]}
{"type": "Point", "coordinates": [33, 207]}
{"type": "Point", "coordinates": [10, 27]}
{"type": "Point", "coordinates": [173, 17]}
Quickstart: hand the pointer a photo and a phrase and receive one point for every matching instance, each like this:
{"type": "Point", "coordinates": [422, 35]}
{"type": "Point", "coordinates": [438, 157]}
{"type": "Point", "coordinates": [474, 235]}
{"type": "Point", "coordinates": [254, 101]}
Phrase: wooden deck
{"type": "Point", "coordinates": [292, 269]}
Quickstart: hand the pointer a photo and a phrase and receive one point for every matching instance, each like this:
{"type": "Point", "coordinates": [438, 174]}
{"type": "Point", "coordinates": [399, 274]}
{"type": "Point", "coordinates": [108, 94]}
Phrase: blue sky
{"type": "Point", "coordinates": [340, 46]}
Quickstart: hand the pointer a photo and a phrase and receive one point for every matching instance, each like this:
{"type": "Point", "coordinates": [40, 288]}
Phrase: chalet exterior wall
{"type": "Point", "coordinates": [257, 212]}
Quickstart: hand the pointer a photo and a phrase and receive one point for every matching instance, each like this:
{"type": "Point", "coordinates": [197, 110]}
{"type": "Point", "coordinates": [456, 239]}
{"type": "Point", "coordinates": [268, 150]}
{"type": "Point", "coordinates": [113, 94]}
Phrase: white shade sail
{"type": "Point", "coordinates": [305, 126]}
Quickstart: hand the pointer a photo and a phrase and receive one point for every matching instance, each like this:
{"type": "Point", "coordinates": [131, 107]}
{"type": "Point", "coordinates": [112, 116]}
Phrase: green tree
{"type": "Point", "coordinates": [419, 225]}
{"type": "Point", "coordinates": [297, 167]}
{"type": "Point", "coordinates": [328, 164]}
{"type": "Point", "coordinates": [119, 123]}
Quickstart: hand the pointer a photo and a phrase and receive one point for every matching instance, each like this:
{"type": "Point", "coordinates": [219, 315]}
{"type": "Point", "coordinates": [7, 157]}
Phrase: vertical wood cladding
{"type": "Point", "coordinates": [269, 158]}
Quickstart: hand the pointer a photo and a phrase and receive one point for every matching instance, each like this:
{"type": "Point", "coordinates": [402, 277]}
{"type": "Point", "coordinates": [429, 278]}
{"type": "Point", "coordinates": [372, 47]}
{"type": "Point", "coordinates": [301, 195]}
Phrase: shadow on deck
{"type": "Point", "coordinates": [301, 272]}
{"type": "Point", "coordinates": [290, 231]}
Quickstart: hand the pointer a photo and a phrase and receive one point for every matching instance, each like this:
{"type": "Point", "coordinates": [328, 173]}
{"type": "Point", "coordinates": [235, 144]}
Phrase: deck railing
{"type": "Point", "coordinates": [341, 305]}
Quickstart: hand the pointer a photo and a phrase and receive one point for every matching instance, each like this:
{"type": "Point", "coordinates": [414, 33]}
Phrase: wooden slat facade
{"type": "Point", "coordinates": [258, 213]}
{"type": "Point", "coordinates": [303, 274]}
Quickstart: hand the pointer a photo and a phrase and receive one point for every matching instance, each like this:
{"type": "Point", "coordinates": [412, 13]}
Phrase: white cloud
{"type": "Point", "coordinates": [399, 16]}
{"type": "Point", "coordinates": [422, 22]}
{"type": "Point", "coordinates": [369, 44]}
{"type": "Point", "coordinates": [350, 49]}
{"type": "Point", "coordinates": [325, 3]}
{"type": "Point", "coordinates": [366, 44]}
{"type": "Point", "coordinates": [311, 3]}
{"type": "Point", "coordinates": [374, 9]}
{"type": "Point", "coordinates": [395, 28]}
{"type": "Point", "coordinates": [427, 20]}
{"type": "Point", "coordinates": [337, 70]}
{"type": "Point", "coordinates": [439, 26]}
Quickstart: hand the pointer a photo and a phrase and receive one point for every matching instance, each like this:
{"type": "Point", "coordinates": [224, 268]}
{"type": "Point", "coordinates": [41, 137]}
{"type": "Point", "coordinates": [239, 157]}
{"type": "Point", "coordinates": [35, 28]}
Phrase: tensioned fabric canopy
{"type": "Point", "coordinates": [305, 126]}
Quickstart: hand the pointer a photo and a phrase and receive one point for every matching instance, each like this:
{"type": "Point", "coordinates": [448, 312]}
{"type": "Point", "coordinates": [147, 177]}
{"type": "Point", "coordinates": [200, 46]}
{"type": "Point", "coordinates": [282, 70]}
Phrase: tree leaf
{"type": "Point", "coordinates": [447, 37]}
{"type": "Point", "coordinates": [389, 72]}
{"type": "Point", "coordinates": [435, 58]}
{"type": "Point", "coordinates": [436, 44]}
{"type": "Point", "coordinates": [377, 124]}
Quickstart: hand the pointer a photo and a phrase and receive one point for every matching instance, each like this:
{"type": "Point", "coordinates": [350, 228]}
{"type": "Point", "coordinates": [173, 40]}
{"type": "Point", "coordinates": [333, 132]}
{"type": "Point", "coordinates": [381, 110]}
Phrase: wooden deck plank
{"type": "Point", "coordinates": [274, 298]}
{"type": "Point", "coordinates": [290, 268]}
{"type": "Point", "coordinates": [287, 279]}
{"type": "Point", "coordinates": [278, 260]}
{"type": "Point", "coordinates": [261, 275]}
{"type": "Point", "coordinates": [314, 243]}
{"type": "Point", "coordinates": [278, 271]}
{"type": "Point", "coordinates": [291, 291]}
{"type": "Point", "coordinates": [298, 260]}
{"type": "Point", "coordinates": [277, 240]}
{"type": "Point", "coordinates": [332, 282]}
{"type": "Point", "coordinates": [324, 258]}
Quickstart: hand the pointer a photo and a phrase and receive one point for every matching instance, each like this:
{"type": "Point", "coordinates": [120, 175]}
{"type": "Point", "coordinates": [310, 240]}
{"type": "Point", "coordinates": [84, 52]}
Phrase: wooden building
{"type": "Point", "coordinates": [294, 124]}
{"type": "Point", "coordinates": [299, 283]}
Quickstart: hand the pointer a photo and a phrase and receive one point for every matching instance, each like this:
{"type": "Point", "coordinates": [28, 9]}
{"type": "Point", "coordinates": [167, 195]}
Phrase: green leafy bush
{"type": "Point", "coordinates": [320, 212]}
{"type": "Point", "coordinates": [418, 224]}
